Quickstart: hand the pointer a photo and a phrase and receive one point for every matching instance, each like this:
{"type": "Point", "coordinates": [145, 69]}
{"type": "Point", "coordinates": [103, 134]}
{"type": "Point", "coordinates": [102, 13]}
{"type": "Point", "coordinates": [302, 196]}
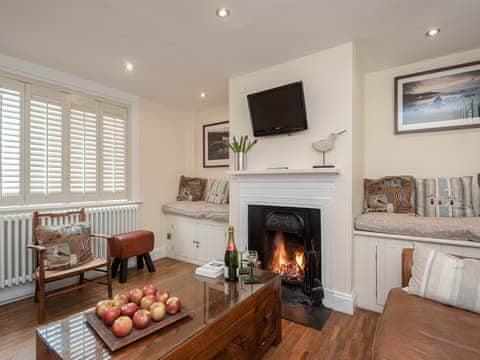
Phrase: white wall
{"type": "Point", "coordinates": [442, 153]}
{"type": "Point", "coordinates": [328, 84]}
{"type": "Point", "coordinates": [358, 138]}
{"type": "Point", "coordinates": [163, 154]}
{"type": "Point", "coordinates": [195, 162]}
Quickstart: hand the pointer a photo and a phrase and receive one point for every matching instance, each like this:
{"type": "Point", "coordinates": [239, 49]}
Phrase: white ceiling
{"type": "Point", "coordinates": [179, 48]}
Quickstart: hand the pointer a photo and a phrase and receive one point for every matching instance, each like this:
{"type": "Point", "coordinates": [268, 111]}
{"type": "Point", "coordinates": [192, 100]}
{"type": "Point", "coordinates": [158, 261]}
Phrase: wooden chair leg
{"type": "Point", "coordinates": [41, 302]}
{"type": "Point", "coordinates": [81, 277]}
{"type": "Point", "coordinates": [36, 291]}
{"type": "Point", "coordinates": [140, 262]}
{"type": "Point", "coordinates": [149, 262]}
{"type": "Point", "coordinates": [115, 265]}
{"type": "Point", "coordinates": [109, 279]}
{"type": "Point", "coordinates": [123, 270]}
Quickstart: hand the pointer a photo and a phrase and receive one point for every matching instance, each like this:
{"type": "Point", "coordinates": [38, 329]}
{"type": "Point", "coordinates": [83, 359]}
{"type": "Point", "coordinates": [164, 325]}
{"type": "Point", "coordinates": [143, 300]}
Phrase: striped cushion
{"type": "Point", "coordinates": [445, 197]}
{"type": "Point", "coordinates": [217, 191]}
{"type": "Point", "coordinates": [446, 279]}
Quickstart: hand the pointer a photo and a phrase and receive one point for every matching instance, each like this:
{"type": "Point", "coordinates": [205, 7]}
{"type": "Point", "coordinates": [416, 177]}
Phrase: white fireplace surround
{"type": "Point", "coordinates": [309, 188]}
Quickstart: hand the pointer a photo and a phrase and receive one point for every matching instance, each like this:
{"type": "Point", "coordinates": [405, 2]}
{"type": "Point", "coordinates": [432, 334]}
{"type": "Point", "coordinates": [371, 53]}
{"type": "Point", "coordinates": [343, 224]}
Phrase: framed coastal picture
{"type": "Point", "coordinates": [441, 99]}
{"type": "Point", "coordinates": [215, 144]}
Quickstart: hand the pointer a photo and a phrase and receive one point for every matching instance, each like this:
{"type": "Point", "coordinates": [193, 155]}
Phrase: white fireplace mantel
{"type": "Point", "coordinates": [304, 188]}
{"type": "Point", "coordinates": [285, 172]}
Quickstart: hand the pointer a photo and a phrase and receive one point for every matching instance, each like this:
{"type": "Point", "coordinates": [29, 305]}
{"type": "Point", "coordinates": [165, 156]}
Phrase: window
{"type": "Point", "coordinates": [114, 151]}
{"type": "Point", "coordinates": [45, 135]}
{"type": "Point", "coordinates": [11, 94]}
{"type": "Point", "coordinates": [83, 149]}
{"type": "Point", "coordinates": [58, 146]}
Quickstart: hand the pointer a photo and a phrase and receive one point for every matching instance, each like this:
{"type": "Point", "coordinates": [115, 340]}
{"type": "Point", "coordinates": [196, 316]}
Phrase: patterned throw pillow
{"type": "Point", "coordinates": [67, 245]}
{"type": "Point", "coordinates": [217, 191]}
{"type": "Point", "coordinates": [446, 279]}
{"type": "Point", "coordinates": [191, 189]}
{"type": "Point", "coordinates": [389, 194]}
{"type": "Point", "coordinates": [445, 197]}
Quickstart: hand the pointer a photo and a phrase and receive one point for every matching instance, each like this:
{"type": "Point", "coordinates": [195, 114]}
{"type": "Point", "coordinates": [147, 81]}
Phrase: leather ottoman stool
{"type": "Point", "coordinates": [124, 246]}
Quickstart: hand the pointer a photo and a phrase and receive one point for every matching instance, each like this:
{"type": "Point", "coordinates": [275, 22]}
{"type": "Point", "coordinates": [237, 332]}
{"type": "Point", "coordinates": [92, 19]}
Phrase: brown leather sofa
{"type": "Point", "coordinates": [412, 327]}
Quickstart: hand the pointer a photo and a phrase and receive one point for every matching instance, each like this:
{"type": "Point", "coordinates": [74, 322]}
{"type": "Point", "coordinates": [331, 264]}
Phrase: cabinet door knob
{"type": "Point", "coordinates": [267, 319]}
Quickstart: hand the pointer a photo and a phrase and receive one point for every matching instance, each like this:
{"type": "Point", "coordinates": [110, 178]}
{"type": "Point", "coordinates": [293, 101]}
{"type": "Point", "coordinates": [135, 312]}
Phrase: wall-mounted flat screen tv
{"type": "Point", "coordinates": [279, 110]}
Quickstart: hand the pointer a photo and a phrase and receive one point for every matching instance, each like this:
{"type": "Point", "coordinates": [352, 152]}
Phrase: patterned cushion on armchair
{"type": "Point", "coordinates": [67, 245]}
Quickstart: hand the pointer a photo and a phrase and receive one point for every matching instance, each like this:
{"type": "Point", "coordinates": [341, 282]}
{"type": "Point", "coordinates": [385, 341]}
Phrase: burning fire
{"type": "Point", "coordinates": [285, 264]}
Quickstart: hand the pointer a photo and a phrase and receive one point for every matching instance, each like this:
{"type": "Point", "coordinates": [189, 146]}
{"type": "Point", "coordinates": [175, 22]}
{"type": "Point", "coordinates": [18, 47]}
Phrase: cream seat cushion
{"type": "Point", "coordinates": [464, 228]}
{"type": "Point", "coordinates": [198, 210]}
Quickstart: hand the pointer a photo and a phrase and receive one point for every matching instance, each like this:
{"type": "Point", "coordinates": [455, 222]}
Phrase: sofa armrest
{"type": "Point", "coordinates": [407, 262]}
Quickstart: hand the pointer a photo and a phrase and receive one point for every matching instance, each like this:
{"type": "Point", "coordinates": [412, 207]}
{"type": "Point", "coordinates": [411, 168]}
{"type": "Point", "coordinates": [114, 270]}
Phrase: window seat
{"type": "Point", "coordinates": [466, 228]}
{"type": "Point", "coordinates": [198, 210]}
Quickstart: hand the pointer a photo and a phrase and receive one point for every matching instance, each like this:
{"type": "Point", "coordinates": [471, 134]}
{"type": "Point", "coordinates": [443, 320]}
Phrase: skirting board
{"type": "Point", "coordinates": [20, 292]}
{"type": "Point", "coordinates": [339, 301]}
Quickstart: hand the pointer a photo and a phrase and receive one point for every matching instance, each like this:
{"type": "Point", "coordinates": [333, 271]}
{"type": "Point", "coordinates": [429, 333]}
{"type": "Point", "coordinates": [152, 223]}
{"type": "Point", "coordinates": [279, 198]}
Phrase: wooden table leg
{"type": "Point", "coordinates": [123, 270]}
{"type": "Point", "coordinates": [115, 265]}
{"type": "Point", "coordinates": [149, 262]}
{"type": "Point", "coordinates": [140, 262]}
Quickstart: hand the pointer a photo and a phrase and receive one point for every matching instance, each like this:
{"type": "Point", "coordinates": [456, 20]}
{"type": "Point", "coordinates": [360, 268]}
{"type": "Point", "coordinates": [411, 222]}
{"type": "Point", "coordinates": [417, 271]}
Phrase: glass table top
{"type": "Point", "coordinates": [207, 299]}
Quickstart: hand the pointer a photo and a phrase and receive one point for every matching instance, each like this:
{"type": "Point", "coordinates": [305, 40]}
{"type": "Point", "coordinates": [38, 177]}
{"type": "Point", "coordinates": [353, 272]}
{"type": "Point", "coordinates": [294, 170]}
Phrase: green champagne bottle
{"type": "Point", "coordinates": [231, 258]}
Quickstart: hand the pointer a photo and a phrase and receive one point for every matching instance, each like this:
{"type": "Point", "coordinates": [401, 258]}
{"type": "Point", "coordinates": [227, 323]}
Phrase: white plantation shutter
{"type": "Point", "coordinates": [83, 150]}
{"type": "Point", "coordinates": [11, 154]}
{"type": "Point", "coordinates": [60, 146]}
{"type": "Point", "coordinates": [45, 145]}
{"type": "Point", "coordinates": [114, 152]}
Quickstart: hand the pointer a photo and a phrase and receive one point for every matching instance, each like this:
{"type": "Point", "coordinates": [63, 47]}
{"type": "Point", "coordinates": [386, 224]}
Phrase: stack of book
{"type": "Point", "coordinates": [211, 269]}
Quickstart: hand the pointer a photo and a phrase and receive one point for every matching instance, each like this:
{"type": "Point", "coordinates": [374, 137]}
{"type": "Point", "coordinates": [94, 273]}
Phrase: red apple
{"type": "Point", "coordinates": [128, 309]}
{"type": "Point", "coordinates": [173, 305]}
{"type": "Point", "coordinates": [141, 318]}
{"type": "Point", "coordinates": [136, 296]}
{"type": "Point", "coordinates": [162, 295]}
{"type": "Point", "coordinates": [101, 306]}
{"type": "Point", "coordinates": [147, 301]}
{"type": "Point", "coordinates": [149, 290]}
{"type": "Point", "coordinates": [158, 311]}
{"type": "Point", "coordinates": [110, 315]}
{"type": "Point", "coordinates": [122, 326]}
{"type": "Point", "coordinates": [119, 300]}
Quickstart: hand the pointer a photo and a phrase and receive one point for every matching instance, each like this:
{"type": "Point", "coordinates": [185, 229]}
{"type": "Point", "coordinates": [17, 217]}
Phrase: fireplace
{"type": "Point", "coordinates": [288, 241]}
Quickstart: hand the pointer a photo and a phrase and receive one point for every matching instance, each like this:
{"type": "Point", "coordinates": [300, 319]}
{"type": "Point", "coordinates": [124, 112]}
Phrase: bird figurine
{"type": "Point", "coordinates": [326, 145]}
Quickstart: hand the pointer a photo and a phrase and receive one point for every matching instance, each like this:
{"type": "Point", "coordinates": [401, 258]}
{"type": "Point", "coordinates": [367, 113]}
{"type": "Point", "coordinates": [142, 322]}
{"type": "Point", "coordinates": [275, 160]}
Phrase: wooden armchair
{"type": "Point", "coordinates": [43, 276]}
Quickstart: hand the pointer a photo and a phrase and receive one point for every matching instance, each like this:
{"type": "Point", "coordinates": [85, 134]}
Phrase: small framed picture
{"type": "Point", "coordinates": [216, 137]}
{"type": "Point", "coordinates": [441, 99]}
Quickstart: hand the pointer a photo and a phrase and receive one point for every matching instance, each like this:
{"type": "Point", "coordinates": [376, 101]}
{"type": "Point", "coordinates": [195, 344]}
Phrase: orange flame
{"type": "Point", "coordinates": [282, 263]}
{"type": "Point", "coordinates": [300, 259]}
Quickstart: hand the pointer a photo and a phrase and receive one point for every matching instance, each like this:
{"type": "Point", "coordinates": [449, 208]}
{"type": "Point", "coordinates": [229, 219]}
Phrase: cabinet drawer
{"type": "Point", "coordinates": [238, 342]}
{"type": "Point", "coordinates": [265, 320]}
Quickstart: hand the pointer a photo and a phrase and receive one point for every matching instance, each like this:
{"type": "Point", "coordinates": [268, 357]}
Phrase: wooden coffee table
{"type": "Point", "coordinates": [229, 320]}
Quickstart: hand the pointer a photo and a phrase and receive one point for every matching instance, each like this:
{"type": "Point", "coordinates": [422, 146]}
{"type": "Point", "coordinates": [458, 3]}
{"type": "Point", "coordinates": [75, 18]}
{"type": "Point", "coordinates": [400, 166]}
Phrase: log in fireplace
{"type": "Point", "coordinates": [288, 241]}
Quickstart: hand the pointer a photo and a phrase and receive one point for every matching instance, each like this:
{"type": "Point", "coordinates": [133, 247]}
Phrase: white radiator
{"type": "Point", "coordinates": [16, 262]}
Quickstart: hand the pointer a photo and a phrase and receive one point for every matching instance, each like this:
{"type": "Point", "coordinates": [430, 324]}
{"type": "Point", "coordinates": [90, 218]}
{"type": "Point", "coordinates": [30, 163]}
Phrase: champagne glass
{"type": "Point", "coordinates": [243, 256]}
{"type": "Point", "coordinates": [252, 257]}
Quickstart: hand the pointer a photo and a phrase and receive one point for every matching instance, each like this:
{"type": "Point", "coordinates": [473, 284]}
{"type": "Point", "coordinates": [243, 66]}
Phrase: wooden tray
{"type": "Point", "coordinates": [114, 343]}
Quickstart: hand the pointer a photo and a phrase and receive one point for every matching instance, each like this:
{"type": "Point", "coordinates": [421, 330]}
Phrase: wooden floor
{"type": "Point", "coordinates": [342, 337]}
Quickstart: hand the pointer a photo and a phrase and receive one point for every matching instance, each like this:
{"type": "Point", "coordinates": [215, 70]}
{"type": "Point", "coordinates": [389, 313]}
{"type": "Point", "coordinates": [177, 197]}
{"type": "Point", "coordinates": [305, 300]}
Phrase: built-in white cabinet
{"type": "Point", "coordinates": [378, 263]}
{"type": "Point", "coordinates": [196, 240]}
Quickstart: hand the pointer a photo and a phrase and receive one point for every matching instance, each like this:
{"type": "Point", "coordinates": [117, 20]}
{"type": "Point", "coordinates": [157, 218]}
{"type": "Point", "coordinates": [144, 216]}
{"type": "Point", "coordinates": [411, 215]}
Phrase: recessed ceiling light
{"type": "Point", "coordinates": [432, 32]}
{"type": "Point", "coordinates": [223, 12]}
{"type": "Point", "coordinates": [129, 66]}
{"type": "Point", "coordinates": [203, 95]}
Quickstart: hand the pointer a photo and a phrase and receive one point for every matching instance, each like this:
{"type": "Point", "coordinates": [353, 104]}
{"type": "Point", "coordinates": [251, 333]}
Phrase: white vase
{"type": "Point", "coordinates": [240, 161]}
